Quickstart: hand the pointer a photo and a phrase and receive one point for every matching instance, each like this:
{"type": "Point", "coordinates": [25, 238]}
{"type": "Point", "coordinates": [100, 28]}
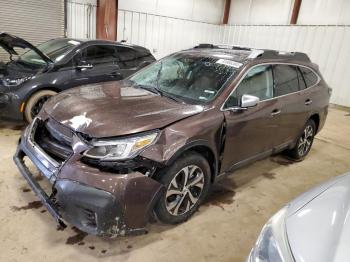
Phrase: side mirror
{"type": "Point", "coordinates": [84, 65]}
{"type": "Point", "coordinates": [249, 101]}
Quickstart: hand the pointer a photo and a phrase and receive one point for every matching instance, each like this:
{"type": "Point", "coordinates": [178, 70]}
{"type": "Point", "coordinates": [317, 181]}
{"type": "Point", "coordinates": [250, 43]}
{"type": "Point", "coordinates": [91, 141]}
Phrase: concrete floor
{"type": "Point", "coordinates": [224, 229]}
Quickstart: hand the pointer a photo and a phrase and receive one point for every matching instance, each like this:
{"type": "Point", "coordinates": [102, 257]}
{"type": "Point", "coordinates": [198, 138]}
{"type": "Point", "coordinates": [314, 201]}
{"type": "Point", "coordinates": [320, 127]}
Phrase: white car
{"type": "Point", "coordinates": [314, 227]}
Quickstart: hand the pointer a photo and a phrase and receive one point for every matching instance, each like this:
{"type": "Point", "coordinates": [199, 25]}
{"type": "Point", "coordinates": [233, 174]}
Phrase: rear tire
{"type": "Point", "coordinates": [187, 183]}
{"type": "Point", "coordinates": [304, 141]}
{"type": "Point", "coordinates": [35, 103]}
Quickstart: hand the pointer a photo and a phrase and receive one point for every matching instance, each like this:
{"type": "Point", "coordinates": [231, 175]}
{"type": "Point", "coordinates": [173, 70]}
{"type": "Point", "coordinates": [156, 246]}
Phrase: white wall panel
{"type": "Point", "coordinates": [327, 46]}
{"type": "Point", "coordinates": [210, 11]}
{"type": "Point", "coordinates": [164, 35]}
{"type": "Point", "coordinates": [324, 12]}
{"type": "Point", "coordinates": [81, 19]}
{"type": "Point", "coordinates": [260, 11]}
{"type": "Point", "coordinates": [278, 12]}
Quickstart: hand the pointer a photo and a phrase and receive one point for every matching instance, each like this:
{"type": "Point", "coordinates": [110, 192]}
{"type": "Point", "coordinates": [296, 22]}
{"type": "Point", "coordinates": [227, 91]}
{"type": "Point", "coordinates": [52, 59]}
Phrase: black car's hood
{"type": "Point", "coordinates": [9, 42]}
{"type": "Point", "coordinates": [16, 70]}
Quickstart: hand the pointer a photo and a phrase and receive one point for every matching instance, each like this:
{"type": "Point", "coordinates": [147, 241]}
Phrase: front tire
{"type": "Point", "coordinates": [35, 103]}
{"type": "Point", "coordinates": [304, 141]}
{"type": "Point", "coordinates": [187, 183]}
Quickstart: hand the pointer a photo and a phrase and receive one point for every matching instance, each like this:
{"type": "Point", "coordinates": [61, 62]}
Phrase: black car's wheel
{"type": "Point", "coordinates": [187, 183]}
{"type": "Point", "coordinates": [304, 141]}
{"type": "Point", "coordinates": [35, 103]}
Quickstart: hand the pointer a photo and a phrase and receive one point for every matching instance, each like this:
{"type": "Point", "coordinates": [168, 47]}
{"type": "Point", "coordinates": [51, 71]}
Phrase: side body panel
{"type": "Point", "coordinates": [249, 133]}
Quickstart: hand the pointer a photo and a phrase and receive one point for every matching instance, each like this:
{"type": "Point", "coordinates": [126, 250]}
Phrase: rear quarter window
{"type": "Point", "coordinates": [309, 76]}
{"type": "Point", "coordinates": [286, 79]}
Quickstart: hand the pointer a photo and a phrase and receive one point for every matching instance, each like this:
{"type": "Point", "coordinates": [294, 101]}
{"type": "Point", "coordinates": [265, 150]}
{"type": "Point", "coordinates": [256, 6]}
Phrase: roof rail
{"type": "Point", "coordinates": [235, 47]}
{"type": "Point", "coordinates": [261, 53]}
{"type": "Point", "coordinates": [205, 46]}
{"type": "Point", "coordinates": [273, 54]}
{"type": "Point", "coordinates": [256, 53]}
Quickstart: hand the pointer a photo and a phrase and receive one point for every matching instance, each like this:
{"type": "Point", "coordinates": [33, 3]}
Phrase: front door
{"type": "Point", "coordinates": [96, 64]}
{"type": "Point", "coordinates": [250, 132]}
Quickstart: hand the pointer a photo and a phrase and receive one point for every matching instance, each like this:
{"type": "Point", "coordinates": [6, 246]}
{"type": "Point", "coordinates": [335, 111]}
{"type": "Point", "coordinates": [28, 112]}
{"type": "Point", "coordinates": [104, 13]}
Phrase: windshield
{"type": "Point", "coordinates": [54, 49]}
{"type": "Point", "coordinates": [187, 76]}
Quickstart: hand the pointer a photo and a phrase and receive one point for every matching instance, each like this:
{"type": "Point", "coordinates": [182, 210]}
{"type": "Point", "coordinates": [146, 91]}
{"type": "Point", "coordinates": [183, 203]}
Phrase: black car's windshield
{"type": "Point", "coordinates": [187, 76]}
{"type": "Point", "coordinates": [54, 49]}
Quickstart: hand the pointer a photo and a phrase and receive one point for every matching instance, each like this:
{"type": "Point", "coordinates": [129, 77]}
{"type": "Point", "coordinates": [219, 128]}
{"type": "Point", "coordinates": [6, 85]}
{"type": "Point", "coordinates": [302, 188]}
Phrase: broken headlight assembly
{"type": "Point", "coordinates": [120, 149]}
{"type": "Point", "coordinates": [272, 244]}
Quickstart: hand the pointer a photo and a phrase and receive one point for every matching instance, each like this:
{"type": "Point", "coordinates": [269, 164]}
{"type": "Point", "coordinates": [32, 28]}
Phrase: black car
{"type": "Point", "coordinates": [28, 80]}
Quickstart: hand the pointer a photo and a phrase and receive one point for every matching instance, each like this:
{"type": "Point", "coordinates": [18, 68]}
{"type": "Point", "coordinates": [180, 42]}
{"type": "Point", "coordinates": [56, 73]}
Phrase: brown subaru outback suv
{"type": "Point", "coordinates": [152, 145]}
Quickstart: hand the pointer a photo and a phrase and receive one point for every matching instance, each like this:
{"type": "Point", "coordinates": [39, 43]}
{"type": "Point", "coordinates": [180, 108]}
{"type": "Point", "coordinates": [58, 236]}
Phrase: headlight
{"type": "Point", "coordinates": [272, 244]}
{"type": "Point", "coordinates": [16, 82]}
{"type": "Point", "coordinates": [120, 148]}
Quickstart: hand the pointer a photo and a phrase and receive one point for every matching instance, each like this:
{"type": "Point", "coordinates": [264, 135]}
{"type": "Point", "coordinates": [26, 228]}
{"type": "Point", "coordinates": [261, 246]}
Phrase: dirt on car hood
{"type": "Point", "coordinates": [115, 109]}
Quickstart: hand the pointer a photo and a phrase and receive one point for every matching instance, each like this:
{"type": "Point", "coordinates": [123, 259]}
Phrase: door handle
{"type": "Point", "coordinates": [308, 102]}
{"type": "Point", "coordinates": [116, 74]}
{"type": "Point", "coordinates": [275, 112]}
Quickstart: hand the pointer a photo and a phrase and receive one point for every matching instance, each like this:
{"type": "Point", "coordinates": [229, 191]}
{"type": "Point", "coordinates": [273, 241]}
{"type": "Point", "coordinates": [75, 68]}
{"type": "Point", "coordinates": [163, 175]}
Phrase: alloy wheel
{"type": "Point", "coordinates": [184, 190]}
{"type": "Point", "coordinates": [305, 140]}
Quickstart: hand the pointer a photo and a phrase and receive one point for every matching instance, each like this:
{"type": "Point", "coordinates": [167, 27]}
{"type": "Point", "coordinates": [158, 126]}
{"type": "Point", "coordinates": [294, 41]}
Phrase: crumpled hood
{"type": "Point", "coordinates": [114, 109]}
{"type": "Point", "coordinates": [320, 230]}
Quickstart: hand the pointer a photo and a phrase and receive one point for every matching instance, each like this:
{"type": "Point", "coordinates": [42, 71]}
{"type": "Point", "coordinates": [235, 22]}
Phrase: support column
{"type": "Point", "coordinates": [106, 19]}
{"type": "Point", "coordinates": [226, 11]}
{"type": "Point", "coordinates": [295, 12]}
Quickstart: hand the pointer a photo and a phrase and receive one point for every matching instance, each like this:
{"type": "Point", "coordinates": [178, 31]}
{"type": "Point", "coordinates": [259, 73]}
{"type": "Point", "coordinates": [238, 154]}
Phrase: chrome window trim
{"type": "Point", "coordinates": [270, 63]}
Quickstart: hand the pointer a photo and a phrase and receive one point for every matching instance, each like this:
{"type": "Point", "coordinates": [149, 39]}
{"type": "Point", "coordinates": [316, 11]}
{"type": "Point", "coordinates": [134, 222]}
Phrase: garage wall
{"type": "Point", "coordinates": [34, 20]}
{"type": "Point", "coordinates": [81, 19]}
{"type": "Point", "coordinates": [324, 12]}
{"type": "Point", "coordinates": [167, 26]}
{"type": "Point", "coordinates": [163, 34]}
{"type": "Point", "coordinates": [210, 11]}
{"type": "Point", "coordinates": [260, 11]}
{"type": "Point", "coordinates": [328, 46]}
{"type": "Point", "coordinates": [312, 12]}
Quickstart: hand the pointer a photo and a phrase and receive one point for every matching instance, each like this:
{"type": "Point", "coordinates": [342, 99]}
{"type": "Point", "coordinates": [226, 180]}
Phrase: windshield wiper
{"type": "Point", "coordinates": [158, 75]}
{"type": "Point", "coordinates": [158, 92]}
{"type": "Point", "coordinates": [149, 88]}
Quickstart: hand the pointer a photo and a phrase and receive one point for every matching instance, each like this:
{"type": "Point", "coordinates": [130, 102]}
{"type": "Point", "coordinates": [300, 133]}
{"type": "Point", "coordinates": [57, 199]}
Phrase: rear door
{"type": "Point", "coordinates": [250, 133]}
{"type": "Point", "coordinates": [96, 63]}
{"type": "Point", "coordinates": [291, 114]}
{"type": "Point", "coordinates": [128, 60]}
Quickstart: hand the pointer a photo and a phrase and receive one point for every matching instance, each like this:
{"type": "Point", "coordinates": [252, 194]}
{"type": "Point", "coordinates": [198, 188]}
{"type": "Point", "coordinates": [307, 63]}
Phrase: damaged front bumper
{"type": "Point", "coordinates": [97, 202]}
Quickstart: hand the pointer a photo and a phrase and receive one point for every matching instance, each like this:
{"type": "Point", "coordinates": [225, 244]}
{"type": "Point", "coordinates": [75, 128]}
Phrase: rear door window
{"type": "Point", "coordinates": [310, 77]}
{"type": "Point", "coordinates": [127, 57]}
{"type": "Point", "coordinates": [257, 82]}
{"type": "Point", "coordinates": [286, 79]}
{"type": "Point", "coordinates": [100, 54]}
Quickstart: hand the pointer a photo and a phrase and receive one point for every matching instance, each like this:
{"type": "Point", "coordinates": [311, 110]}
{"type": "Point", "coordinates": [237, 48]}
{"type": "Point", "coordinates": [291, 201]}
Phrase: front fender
{"type": "Point", "coordinates": [202, 130]}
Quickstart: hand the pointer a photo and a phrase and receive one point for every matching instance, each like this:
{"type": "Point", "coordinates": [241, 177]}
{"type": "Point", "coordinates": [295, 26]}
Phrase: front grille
{"type": "Point", "coordinates": [55, 139]}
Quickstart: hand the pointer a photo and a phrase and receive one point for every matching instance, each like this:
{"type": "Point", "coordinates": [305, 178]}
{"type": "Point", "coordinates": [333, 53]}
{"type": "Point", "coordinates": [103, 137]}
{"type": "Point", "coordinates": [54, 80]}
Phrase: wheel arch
{"type": "Point", "coordinates": [203, 148]}
{"type": "Point", "coordinates": [316, 118]}
{"type": "Point", "coordinates": [27, 97]}
{"type": "Point", "coordinates": [38, 89]}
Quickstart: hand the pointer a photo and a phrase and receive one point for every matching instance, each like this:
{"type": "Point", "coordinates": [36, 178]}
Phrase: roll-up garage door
{"type": "Point", "coordinates": [33, 20]}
